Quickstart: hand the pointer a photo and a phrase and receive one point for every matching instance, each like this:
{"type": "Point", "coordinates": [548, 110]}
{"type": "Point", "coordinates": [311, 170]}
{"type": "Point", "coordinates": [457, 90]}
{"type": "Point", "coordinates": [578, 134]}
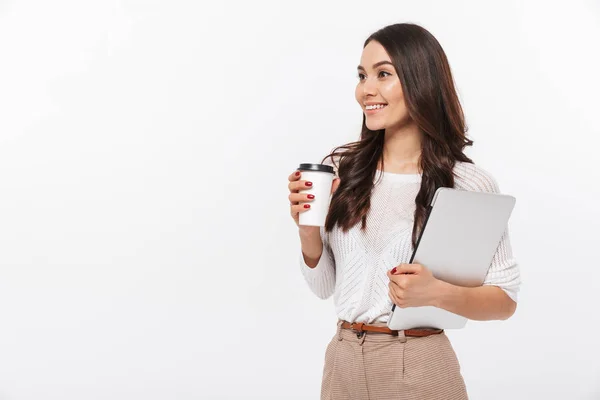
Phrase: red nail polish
{"type": "Point", "coordinates": [394, 271]}
{"type": "Point", "coordinates": [307, 206]}
{"type": "Point", "coordinates": [297, 173]}
{"type": "Point", "coordinates": [310, 196]}
{"type": "Point", "coordinates": [308, 183]}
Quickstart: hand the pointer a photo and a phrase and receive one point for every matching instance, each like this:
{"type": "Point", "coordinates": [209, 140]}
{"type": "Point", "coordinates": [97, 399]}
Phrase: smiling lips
{"type": "Point", "coordinates": [374, 108]}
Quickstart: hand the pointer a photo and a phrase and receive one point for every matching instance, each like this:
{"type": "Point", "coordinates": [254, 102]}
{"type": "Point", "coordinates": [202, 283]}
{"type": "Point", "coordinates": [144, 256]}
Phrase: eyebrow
{"type": "Point", "coordinates": [377, 64]}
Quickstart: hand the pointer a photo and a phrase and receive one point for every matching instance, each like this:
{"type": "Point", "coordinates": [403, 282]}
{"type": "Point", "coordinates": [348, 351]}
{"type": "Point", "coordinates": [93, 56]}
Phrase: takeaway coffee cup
{"type": "Point", "coordinates": [321, 177]}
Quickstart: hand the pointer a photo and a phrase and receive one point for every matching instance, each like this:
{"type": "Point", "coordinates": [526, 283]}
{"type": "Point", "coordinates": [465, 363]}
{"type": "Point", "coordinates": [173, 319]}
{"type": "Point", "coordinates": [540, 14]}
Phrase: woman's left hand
{"type": "Point", "coordinates": [412, 285]}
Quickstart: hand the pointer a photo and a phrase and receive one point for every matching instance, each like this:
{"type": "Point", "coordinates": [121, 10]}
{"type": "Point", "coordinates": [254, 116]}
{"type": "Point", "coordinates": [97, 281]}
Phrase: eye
{"type": "Point", "coordinates": [361, 76]}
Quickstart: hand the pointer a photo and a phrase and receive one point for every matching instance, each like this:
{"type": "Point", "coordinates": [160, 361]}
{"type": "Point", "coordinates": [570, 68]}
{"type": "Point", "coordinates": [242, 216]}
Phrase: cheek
{"type": "Point", "coordinates": [392, 91]}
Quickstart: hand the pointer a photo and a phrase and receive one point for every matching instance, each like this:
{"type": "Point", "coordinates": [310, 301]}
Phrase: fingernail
{"type": "Point", "coordinates": [394, 271]}
{"type": "Point", "coordinates": [308, 183]}
{"type": "Point", "coordinates": [310, 196]}
{"type": "Point", "coordinates": [297, 173]}
{"type": "Point", "coordinates": [307, 206]}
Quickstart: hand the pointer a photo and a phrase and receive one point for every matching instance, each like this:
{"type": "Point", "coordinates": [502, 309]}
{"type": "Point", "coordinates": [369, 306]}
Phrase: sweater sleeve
{"type": "Point", "coordinates": [504, 270]}
{"type": "Point", "coordinates": [321, 279]}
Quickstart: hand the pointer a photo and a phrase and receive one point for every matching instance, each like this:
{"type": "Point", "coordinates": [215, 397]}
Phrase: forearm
{"type": "Point", "coordinates": [312, 248]}
{"type": "Point", "coordinates": [480, 303]}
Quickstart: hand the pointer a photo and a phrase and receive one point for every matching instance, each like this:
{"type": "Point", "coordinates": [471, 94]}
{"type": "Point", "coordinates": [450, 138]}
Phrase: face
{"type": "Point", "coordinates": [379, 91]}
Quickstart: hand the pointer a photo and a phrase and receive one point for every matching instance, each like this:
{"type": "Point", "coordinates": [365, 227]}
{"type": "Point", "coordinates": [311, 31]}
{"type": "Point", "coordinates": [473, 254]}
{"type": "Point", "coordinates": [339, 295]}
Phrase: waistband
{"type": "Point", "coordinates": [360, 328]}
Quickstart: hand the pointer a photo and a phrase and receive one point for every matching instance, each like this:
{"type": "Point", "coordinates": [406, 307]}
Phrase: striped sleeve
{"type": "Point", "coordinates": [504, 270]}
{"type": "Point", "coordinates": [321, 279]}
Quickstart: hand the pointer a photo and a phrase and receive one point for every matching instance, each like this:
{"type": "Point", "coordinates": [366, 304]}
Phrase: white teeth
{"type": "Point", "coordinates": [376, 106]}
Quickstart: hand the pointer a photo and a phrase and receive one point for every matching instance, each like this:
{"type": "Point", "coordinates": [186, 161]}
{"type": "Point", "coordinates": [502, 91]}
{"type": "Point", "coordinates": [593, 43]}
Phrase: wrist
{"type": "Point", "coordinates": [307, 231]}
{"type": "Point", "coordinates": [442, 293]}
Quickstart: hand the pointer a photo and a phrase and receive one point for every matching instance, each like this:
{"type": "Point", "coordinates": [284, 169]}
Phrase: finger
{"type": "Point", "coordinates": [394, 276]}
{"type": "Point", "coordinates": [390, 276]}
{"type": "Point", "coordinates": [294, 176]}
{"type": "Point", "coordinates": [392, 298]}
{"type": "Point", "coordinates": [295, 209]}
{"type": "Point", "coordinates": [295, 198]}
{"type": "Point", "coordinates": [391, 294]}
{"type": "Point", "coordinates": [408, 269]}
{"type": "Point", "coordinates": [400, 281]}
{"type": "Point", "coordinates": [295, 186]}
{"type": "Point", "coordinates": [395, 298]}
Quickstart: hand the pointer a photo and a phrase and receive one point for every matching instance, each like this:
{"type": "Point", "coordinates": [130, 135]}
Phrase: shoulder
{"type": "Point", "coordinates": [468, 176]}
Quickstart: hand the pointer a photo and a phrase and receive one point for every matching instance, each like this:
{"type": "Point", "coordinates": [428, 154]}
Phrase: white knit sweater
{"type": "Point", "coordinates": [354, 264]}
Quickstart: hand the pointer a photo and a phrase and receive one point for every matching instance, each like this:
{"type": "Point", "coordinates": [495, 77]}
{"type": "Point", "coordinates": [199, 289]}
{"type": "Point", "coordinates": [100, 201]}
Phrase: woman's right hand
{"type": "Point", "coordinates": [295, 197]}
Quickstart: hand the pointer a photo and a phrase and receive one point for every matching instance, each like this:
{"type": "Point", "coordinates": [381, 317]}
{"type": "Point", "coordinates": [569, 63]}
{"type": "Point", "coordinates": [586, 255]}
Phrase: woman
{"type": "Point", "coordinates": [412, 141]}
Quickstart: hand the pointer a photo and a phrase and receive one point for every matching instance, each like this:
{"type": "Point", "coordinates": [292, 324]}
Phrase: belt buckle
{"type": "Point", "coordinates": [359, 331]}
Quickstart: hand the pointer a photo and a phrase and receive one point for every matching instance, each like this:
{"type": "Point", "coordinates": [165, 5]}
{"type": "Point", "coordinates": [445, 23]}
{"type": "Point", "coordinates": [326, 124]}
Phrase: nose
{"type": "Point", "coordinates": [369, 87]}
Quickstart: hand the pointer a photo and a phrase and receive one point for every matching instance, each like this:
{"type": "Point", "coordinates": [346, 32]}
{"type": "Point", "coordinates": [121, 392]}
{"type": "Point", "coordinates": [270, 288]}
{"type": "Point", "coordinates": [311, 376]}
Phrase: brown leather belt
{"type": "Point", "coordinates": [360, 327]}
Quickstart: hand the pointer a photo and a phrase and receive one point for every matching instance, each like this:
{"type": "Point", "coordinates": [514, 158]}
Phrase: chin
{"type": "Point", "coordinates": [374, 126]}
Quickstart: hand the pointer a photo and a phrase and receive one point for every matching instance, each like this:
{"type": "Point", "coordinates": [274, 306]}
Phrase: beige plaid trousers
{"type": "Point", "coordinates": [379, 366]}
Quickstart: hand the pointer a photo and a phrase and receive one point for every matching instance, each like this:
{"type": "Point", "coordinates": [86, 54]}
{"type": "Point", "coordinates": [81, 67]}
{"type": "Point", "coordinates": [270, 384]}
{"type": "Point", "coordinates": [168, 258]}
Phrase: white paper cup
{"type": "Point", "coordinates": [321, 177]}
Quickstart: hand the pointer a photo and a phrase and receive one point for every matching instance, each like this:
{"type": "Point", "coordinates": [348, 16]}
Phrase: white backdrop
{"type": "Point", "coordinates": [146, 247]}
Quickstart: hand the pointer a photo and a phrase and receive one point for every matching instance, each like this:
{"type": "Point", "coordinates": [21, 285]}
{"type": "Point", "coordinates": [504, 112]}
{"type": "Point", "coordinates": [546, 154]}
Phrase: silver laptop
{"type": "Point", "coordinates": [462, 232]}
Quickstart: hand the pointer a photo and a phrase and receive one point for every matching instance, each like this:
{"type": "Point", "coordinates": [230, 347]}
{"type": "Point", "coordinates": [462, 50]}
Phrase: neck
{"type": "Point", "coordinates": [402, 148]}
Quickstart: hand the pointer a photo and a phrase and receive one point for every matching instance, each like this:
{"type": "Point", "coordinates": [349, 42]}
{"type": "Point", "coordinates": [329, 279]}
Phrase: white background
{"type": "Point", "coordinates": [146, 246]}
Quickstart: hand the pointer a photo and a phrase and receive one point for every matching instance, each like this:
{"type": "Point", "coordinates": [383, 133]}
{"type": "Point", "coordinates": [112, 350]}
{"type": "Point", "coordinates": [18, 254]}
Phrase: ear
{"type": "Point", "coordinates": [335, 185]}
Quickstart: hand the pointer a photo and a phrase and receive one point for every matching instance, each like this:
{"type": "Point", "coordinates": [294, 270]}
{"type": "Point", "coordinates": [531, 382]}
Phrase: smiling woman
{"type": "Point", "coordinates": [389, 90]}
{"type": "Point", "coordinates": [412, 141]}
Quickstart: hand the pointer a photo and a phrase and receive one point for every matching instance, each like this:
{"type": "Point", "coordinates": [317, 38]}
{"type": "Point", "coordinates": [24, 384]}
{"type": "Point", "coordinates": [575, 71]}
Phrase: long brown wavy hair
{"type": "Point", "coordinates": [432, 103]}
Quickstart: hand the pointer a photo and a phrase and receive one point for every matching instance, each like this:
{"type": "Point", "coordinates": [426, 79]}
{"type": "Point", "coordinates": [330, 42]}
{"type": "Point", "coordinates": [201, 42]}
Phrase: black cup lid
{"type": "Point", "coordinates": [316, 167]}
